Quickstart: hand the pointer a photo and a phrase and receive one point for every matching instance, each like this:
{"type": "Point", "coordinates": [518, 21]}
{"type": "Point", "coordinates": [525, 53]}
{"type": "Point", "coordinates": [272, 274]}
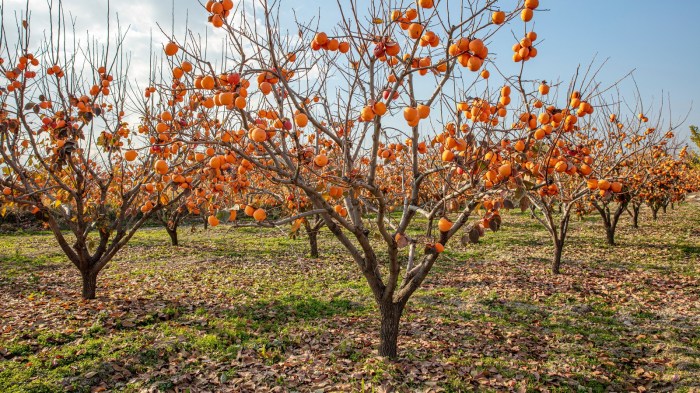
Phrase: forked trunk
{"type": "Point", "coordinates": [89, 285]}
{"type": "Point", "coordinates": [610, 234]}
{"type": "Point", "coordinates": [389, 331]}
{"type": "Point", "coordinates": [172, 232]}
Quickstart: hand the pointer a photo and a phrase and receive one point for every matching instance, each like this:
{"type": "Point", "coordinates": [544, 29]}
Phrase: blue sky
{"type": "Point", "coordinates": [656, 39]}
{"type": "Point", "coordinates": [659, 40]}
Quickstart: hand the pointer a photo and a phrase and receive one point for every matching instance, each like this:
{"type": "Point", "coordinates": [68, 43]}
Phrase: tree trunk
{"type": "Point", "coordinates": [655, 213]}
{"type": "Point", "coordinates": [635, 217]}
{"type": "Point", "coordinates": [172, 232]}
{"type": "Point", "coordinates": [389, 333]}
{"type": "Point", "coordinates": [89, 285]}
{"type": "Point", "coordinates": [610, 234]}
{"type": "Point", "coordinates": [313, 242]}
{"type": "Point", "coordinates": [556, 263]}
{"type": "Point", "coordinates": [664, 207]}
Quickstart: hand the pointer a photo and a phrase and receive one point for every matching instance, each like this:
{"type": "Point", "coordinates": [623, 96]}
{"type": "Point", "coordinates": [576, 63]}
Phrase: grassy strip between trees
{"type": "Point", "coordinates": [248, 310]}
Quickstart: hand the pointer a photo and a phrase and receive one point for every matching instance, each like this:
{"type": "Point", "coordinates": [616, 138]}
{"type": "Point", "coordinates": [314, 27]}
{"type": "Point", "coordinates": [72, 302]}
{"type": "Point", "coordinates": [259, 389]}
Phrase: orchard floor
{"type": "Point", "coordinates": [247, 310]}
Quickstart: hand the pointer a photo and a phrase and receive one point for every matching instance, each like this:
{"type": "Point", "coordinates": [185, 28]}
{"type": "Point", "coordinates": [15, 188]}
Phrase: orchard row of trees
{"type": "Point", "coordinates": [391, 119]}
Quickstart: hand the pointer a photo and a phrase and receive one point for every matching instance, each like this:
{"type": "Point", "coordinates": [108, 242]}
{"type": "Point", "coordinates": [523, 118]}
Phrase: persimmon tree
{"type": "Point", "coordinates": [68, 153]}
{"type": "Point", "coordinates": [634, 144]}
{"type": "Point", "coordinates": [670, 178]}
{"type": "Point", "coordinates": [384, 118]}
{"type": "Point", "coordinates": [565, 152]}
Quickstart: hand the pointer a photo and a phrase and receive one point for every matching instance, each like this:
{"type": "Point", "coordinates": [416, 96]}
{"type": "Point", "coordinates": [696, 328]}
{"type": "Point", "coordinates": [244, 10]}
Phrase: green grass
{"type": "Point", "coordinates": [230, 304]}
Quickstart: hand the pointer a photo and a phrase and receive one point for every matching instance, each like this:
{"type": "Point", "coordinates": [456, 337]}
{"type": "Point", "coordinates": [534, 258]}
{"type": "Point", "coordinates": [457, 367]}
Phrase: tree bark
{"type": "Point", "coordinates": [664, 207]}
{"type": "Point", "coordinates": [655, 213]}
{"type": "Point", "coordinates": [610, 235]}
{"type": "Point", "coordinates": [389, 330]}
{"type": "Point", "coordinates": [313, 242]}
{"type": "Point", "coordinates": [556, 263]}
{"type": "Point", "coordinates": [89, 285]}
{"type": "Point", "coordinates": [635, 216]}
{"type": "Point", "coordinates": [172, 232]}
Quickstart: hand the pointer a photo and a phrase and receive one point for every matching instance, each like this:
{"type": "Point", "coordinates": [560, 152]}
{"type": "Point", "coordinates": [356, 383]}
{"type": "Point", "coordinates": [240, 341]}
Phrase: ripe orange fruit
{"type": "Point", "coordinates": [215, 162]}
{"type": "Point", "coordinates": [423, 111]}
{"type": "Point", "coordinates": [226, 98]}
{"type": "Point", "coordinates": [171, 49]}
{"type": "Point", "coordinates": [321, 160]}
{"type": "Point", "coordinates": [301, 120]}
{"type": "Point", "coordinates": [367, 113]}
{"type": "Point", "coordinates": [411, 14]}
{"type": "Point", "coordinates": [444, 224]}
{"type": "Point", "coordinates": [474, 63]}
{"type": "Point", "coordinates": [212, 220]}
{"type": "Point", "coordinates": [130, 155]}
{"type": "Point", "coordinates": [321, 38]}
{"type": "Point", "coordinates": [415, 30]}
{"type": "Point", "coordinates": [603, 185]}
{"type": "Point", "coordinates": [540, 133]}
{"type": "Point", "coordinates": [260, 215]}
{"type": "Point", "coordinates": [258, 135]}
{"type": "Point", "coordinates": [425, 3]}
{"type": "Point", "coordinates": [592, 184]}
{"type": "Point", "coordinates": [520, 145]}
{"type": "Point", "coordinates": [147, 207]}
{"type": "Point", "coordinates": [439, 247]}
{"type": "Point", "coordinates": [410, 114]}
{"type": "Point", "coordinates": [249, 210]}
{"type": "Point", "coordinates": [616, 186]}
{"type": "Point", "coordinates": [585, 169]}
{"type": "Point", "coordinates": [265, 88]}
{"type": "Point", "coordinates": [7, 191]}
{"type": "Point", "coordinates": [379, 108]}
{"type": "Point", "coordinates": [532, 4]}
{"type": "Point", "coordinates": [561, 166]}
{"type": "Point", "coordinates": [498, 17]}
{"type": "Point", "coordinates": [161, 167]}
{"type": "Point", "coordinates": [526, 15]}
{"type": "Point", "coordinates": [208, 82]}
{"type": "Point", "coordinates": [232, 215]}
{"type": "Point", "coordinates": [505, 170]}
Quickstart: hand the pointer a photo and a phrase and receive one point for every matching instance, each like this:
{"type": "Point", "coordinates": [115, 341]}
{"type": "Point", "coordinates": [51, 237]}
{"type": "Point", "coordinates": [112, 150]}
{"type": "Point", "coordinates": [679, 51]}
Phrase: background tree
{"type": "Point", "coordinates": [68, 153]}
{"type": "Point", "coordinates": [634, 145]}
{"type": "Point", "coordinates": [559, 151]}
